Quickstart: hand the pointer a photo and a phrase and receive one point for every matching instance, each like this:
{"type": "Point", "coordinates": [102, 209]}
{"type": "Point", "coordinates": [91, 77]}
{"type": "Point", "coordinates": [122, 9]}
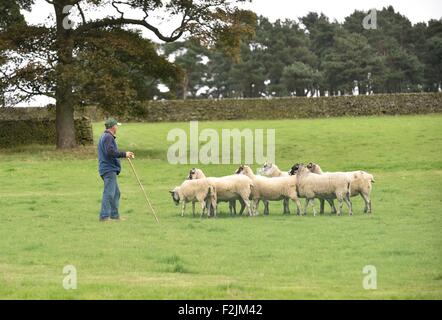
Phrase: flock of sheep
{"type": "Point", "coordinates": [272, 184]}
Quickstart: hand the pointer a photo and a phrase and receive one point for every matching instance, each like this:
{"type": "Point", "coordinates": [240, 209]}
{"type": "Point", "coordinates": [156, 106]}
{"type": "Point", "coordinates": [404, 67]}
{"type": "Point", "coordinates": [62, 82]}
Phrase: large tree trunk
{"type": "Point", "coordinates": [63, 91]}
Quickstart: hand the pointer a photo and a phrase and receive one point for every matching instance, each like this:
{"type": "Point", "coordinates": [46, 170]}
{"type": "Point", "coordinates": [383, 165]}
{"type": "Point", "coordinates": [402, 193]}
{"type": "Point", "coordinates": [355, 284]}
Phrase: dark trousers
{"type": "Point", "coordinates": [111, 196]}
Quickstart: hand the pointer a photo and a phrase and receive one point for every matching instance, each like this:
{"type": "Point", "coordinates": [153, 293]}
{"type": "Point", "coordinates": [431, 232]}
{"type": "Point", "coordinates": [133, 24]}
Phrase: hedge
{"type": "Point", "coordinates": [33, 125]}
{"type": "Point", "coordinates": [17, 132]}
{"type": "Point", "coordinates": [278, 108]}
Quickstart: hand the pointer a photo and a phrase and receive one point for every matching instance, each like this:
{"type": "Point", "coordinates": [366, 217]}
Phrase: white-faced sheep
{"type": "Point", "coordinates": [271, 189]}
{"type": "Point", "coordinates": [228, 188]}
{"type": "Point", "coordinates": [201, 190]}
{"type": "Point", "coordinates": [323, 186]}
{"type": "Point", "coordinates": [361, 184]}
{"type": "Point", "coordinates": [271, 170]}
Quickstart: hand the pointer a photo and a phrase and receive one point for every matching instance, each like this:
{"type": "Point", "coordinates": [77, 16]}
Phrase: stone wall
{"type": "Point", "coordinates": [37, 125]}
{"type": "Point", "coordinates": [278, 108]}
{"type": "Point", "coordinates": [21, 130]}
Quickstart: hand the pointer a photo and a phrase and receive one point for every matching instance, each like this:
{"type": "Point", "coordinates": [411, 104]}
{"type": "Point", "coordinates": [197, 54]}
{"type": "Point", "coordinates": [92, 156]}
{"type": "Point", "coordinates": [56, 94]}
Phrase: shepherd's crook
{"type": "Point", "coordinates": [142, 189]}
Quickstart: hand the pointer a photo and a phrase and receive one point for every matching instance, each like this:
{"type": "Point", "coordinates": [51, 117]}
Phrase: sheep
{"type": "Point", "coordinates": [201, 190]}
{"type": "Point", "coordinates": [228, 188]}
{"type": "Point", "coordinates": [323, 186]}
{"type": "Point", "coordinates": [321, 200]}
{"type": "Point", "coordinates": [271, 170]}
{"type": "Point", "coordinates": [361, 184]}
{"type": "Point", "coordinates": [271, 189]}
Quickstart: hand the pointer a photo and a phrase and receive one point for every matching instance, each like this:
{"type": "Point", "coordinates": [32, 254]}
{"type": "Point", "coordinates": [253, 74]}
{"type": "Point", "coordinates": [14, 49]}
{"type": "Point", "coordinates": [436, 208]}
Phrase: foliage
{"type": "Point", "coordinates": [98, 60]}
{"type": "Point", "coordinates": [320, 55]}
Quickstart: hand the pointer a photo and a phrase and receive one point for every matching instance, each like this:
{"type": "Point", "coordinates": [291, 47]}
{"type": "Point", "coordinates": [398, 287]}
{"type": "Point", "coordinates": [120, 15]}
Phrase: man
{"type": "Point", "coordinates": [109, 168]}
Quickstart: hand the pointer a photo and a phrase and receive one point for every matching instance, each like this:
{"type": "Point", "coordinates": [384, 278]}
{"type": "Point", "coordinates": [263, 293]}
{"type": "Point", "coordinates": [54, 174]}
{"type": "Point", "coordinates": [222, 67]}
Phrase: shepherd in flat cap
{"type": "Point", "coordinates": [109, 168]}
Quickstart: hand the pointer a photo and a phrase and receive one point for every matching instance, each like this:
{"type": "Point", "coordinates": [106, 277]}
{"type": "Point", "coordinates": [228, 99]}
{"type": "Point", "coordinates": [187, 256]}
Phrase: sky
{"type": "Point", "coordinates": [415, 11]}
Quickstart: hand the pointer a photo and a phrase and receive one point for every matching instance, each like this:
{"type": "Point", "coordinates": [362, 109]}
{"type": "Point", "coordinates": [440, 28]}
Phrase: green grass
{"type": "Point", "coordinates": [50, 202]}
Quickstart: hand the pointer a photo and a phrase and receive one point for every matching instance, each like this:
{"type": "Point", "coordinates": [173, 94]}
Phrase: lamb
{"type": "Point", "coordinates": [323, 186]}
{"type": "Point", "coordinates": [271, 170]}
{"type": "Point", "coordinates": [228, 188]}
{"type": "Point", "coordinates": [271, 189]}
{"type": "Point", "coordinates": [361, 184]}
{"type": "Point", "coordinates": [201, 190]}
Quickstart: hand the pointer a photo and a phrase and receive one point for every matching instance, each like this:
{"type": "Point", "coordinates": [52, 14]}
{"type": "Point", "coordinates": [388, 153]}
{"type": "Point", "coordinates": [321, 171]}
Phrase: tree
{"type": "Point", "coordinates": [189, 55]}
{"type": "Point", "coordinates": [263, 59]}
{"type": "Point", "coordinates": [51, 52]}
{"type": "Point", "coordinates": [350, 59]}
{"type": "Point", "coordinates": [299, 76]}
{"type": "Point", "coordinates": [428, 38]}
{"type": "Point", "coordinates": [397, 43]}
{"type": "Point", "coordinates": [116, 69]}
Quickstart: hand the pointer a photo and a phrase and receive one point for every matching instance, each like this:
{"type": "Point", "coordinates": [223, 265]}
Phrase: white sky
{"type": "Point", "coordinates": [416, 11]}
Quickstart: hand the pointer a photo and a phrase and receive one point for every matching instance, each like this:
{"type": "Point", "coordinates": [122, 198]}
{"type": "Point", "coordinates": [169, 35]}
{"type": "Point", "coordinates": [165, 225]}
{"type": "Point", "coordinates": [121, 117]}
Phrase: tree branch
{"type": "Point", "coordinates": [109, 22]}
{"type": "Point", "coordinates": [81, 13]}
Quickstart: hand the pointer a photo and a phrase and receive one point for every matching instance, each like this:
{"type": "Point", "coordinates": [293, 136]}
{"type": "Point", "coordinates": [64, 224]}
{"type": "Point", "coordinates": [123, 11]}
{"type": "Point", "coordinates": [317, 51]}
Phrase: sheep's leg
{"type": "Point", "coordinates": [255, 207]}
{"type": "Point", "coordinates": [332, 205]}
{"type": "Point", "coordinates": [321, 206]}
{"type": "Point", "coordinates": [193, 208]}
{"type": "Point", "coordinates": [203, 208]}
{"type": "Point", "coordinates": [183, 207]}
{"type": "Point", "coordinates": [367, 201]}
{"type": "Point", "coordinates": [243, 206]}
{"type": "Point", "coordinates": [286, 206]}
{"type": "Point", "coordinates": [340, 206]}
{"type": "Point", "coordinates": [306, 205]}
{"type": "Point", "coordinates": [208, 207]}
{"type": "Point", "coordinates": [266, 207]}
{"type": "Point", "coordinates": [298, 205]}
{"type": "Point", "coordinates": [214, 206]}
{"type": "Point", "coordinates": [312, 202]}
{"type": "Point", "coordinates": [249, 206]}
{"type": "Point", "coordinates": [234, 206]}
{"type": "Point", "coordinates": [348, 203]}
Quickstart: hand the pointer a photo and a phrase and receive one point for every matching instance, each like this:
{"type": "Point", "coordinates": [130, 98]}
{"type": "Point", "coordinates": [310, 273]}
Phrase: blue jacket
{"type": "Point", "coordinates": [108, 154]}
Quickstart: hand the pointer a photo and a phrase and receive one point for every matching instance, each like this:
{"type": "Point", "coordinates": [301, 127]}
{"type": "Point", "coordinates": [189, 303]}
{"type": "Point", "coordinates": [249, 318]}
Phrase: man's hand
{"type": "Point", "coordinates": [130, 155]}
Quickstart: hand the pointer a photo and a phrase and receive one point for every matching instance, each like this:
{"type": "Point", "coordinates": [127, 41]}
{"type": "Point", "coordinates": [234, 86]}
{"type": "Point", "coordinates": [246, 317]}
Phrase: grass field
{"type": "Point", "coordinates": [50, 202]}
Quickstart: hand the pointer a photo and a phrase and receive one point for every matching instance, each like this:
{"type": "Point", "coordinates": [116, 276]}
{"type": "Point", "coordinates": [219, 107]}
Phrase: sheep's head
{"type": "Point", "coordinates": [196, 173]}
{"type": "Point", "coordinates": [175, 195]}
{"type": "Point", "coordinates": [313, 167]}
{"type": "Point", "coordinates": [295, 168]}
{"type": "Point", "coordinates": [266, 169]}
{"type": "Point", "coordinates": [240, 169]}
{"type": "Point", "coordinates": [192, 174]}
{"type": "Point", "coordinates": [302, 170]}
{"type": "Point", "coordinates": [246, 170]}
